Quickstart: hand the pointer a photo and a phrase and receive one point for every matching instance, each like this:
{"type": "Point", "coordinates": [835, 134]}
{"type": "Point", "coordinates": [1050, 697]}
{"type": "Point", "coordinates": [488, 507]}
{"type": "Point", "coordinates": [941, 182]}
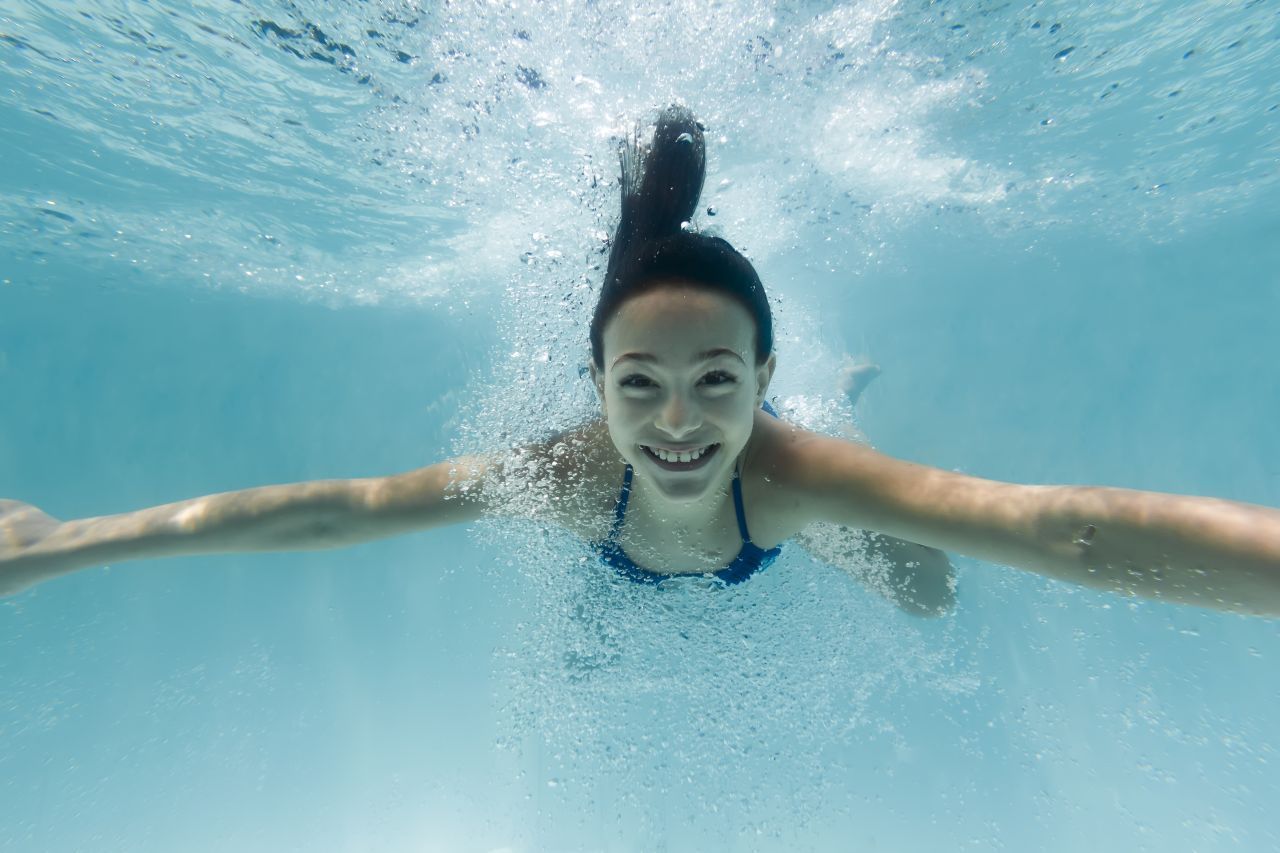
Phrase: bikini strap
{"type": "Point", "coordinates": [620, 508]}
{"type": "Point", "coordinates": [737, 507]}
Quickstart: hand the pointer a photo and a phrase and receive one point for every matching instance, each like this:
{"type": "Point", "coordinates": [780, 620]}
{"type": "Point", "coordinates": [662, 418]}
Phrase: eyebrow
{"type": "Point", "coordinates": [650, 358]}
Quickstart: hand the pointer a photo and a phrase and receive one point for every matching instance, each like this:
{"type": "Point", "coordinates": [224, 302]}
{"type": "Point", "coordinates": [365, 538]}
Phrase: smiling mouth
{"type": "Point", "coordinates": [685, 461]}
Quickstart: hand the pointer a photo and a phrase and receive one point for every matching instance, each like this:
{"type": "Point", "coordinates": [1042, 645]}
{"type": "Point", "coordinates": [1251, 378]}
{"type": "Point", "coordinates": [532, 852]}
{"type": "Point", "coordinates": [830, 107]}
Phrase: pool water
{"type": "Point", "coordinates": [266, 242]}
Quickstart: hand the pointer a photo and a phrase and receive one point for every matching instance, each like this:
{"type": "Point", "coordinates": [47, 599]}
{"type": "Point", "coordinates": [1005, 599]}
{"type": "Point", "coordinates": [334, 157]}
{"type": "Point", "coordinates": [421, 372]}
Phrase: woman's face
{"type": "Point", "coordinates": [680, 387]}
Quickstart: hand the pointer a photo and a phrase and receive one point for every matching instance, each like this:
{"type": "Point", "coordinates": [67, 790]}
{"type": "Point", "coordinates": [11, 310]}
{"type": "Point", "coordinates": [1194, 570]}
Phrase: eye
{"type": "Point", "coordinates": [719, 377]}
{"type": "Point", "coordinates": [635, 380]}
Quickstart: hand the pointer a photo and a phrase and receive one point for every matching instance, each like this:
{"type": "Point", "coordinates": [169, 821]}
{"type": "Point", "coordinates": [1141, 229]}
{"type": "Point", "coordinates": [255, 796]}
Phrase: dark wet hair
{"type": "Point", "coordinates": [654, 245]}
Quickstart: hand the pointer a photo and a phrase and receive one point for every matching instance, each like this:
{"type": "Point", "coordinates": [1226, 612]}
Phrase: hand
{"type": "Point", "coordinates": [23, 528]}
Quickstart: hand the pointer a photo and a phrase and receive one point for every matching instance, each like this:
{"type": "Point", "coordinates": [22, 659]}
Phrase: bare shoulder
{"type": "Point", "coordinates": [568, 457]}
{"type": "Point", "coordinates": [803, 477]}
{"type": "Point", "coordinates": [777, 476]}
{"type": "Point", "coordinates": [782, 451]}
{"type": "Point", "coordinates": [573, 473]}
{"type": "Point", "coordinates": [798, 476]}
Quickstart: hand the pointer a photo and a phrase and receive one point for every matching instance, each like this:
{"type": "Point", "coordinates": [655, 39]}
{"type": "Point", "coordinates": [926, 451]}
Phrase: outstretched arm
{"type": "Point", "coordinates": [323, 514]}
{"type": "Point", "coordinates": [1203, 551]}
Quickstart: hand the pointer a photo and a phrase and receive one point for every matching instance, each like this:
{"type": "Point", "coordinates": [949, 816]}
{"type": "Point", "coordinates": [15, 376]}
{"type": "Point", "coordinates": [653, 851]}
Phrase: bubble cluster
{"type": "Point", "coordinates": [680, 696]}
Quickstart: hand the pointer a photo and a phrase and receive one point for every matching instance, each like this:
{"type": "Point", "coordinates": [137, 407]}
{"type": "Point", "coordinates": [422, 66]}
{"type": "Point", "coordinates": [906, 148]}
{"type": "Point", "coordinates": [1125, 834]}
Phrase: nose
{"type": "Point", "coordinates": [679, 417]}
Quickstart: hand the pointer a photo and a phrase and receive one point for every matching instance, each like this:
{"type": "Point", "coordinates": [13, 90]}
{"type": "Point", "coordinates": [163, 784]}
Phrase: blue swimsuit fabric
{"type": "Point", "coordinates": [750, 559]}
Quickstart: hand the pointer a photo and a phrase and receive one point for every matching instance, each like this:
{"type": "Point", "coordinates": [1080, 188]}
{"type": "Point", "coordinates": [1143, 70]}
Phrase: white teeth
{"type": "Point", "coordinates": [673, 456]}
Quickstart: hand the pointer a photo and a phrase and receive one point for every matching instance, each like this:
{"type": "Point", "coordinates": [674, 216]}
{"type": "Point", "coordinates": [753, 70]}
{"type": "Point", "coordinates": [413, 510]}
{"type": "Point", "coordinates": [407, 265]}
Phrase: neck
{"type": "Point", "coordinates": [680, 517]}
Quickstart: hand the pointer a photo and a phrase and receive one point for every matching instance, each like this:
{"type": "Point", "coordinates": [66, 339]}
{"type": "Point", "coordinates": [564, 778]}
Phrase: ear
{"type": "Point", "coordinates": [597, 379]}
{"type": "Point", "coordinates": [764, 375]}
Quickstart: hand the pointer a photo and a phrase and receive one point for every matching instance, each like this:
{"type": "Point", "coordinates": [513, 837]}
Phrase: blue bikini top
{"type": "Point", "coordinates": [751, 559]}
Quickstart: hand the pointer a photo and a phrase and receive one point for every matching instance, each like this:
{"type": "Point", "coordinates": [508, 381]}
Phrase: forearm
{"type": "Point", "coordinates": [285, 517]}
{"type": "Point", "coordinates": [919, 580]}
{"type": "Point", "coordinates": [1202, 551]}
{"type": "Point", "coordinates": [299, 516]}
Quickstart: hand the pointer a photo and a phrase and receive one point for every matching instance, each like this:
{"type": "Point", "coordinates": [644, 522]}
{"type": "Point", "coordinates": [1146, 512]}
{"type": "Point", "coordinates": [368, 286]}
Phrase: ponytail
{"type": "Point", "coordinates": [654, 242]}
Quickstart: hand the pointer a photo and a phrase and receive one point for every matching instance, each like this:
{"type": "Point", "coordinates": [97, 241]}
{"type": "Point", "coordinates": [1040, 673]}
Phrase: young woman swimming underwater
{"type": "Point", "coordinates": [689, 471]}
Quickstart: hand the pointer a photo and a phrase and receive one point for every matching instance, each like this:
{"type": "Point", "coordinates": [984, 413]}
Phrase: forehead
{"type": "Point", "coordinates": [677, 319]}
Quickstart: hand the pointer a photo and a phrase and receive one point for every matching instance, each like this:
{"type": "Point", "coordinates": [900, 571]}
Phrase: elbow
{"type": "Point", "coordinates": [322, 533]}
{"type": "Point", "coordinates": [928, 589]}
{"type": "Point", "coordinates": [314, 530]}
{"type": "Point", "coordinates": [928, 607]}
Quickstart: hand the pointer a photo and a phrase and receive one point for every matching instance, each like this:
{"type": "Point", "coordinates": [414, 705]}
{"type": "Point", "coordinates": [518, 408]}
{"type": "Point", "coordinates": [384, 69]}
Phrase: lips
{"type": "Point", "coordinates": [672, 463]}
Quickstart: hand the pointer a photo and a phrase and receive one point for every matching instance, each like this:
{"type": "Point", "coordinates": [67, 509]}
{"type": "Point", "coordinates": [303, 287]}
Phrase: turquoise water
{"type": "Point", "coordinates": [251, 242]}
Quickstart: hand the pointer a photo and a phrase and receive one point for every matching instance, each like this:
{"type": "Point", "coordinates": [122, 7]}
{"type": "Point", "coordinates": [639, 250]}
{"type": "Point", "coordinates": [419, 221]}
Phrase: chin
{"type": "Point", "coordinates": [684, 489]}
{"type": "Point", "coordinates": [688, 493]}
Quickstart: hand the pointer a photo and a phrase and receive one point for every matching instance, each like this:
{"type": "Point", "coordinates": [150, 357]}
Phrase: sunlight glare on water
{"type": "Point", "coordinates": [387, 151]}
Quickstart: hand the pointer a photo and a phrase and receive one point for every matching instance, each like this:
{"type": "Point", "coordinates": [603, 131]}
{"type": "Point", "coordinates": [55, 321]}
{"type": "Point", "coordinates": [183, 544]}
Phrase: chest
{"type": "Point", "coordinates": [673, 546]}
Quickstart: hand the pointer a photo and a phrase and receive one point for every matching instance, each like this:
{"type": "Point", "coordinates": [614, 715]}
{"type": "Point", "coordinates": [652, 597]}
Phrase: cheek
{"type": "Point", "coordinates": [622, 412]}
{"type": "Point", "coordinates": [732, 414]}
